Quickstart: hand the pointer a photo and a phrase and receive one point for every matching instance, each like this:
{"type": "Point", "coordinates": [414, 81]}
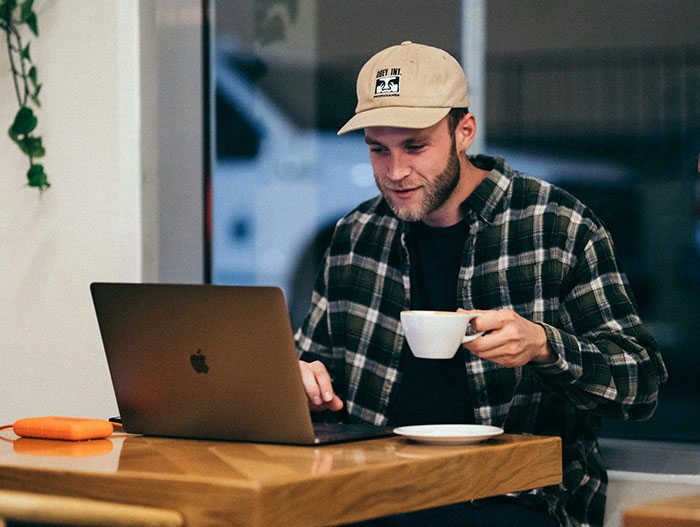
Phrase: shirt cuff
{"type": "Point", "coordinates": [560, 371]}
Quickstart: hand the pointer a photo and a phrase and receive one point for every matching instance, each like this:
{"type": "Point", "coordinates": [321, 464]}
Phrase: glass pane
{"type": "Point", "coordinates": [285, 83]}
{"type": "Point", "coordinates": [586, 99]}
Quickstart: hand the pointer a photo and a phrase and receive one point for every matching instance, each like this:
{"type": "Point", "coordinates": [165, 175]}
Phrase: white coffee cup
{"type": "Point", "coordinates": [437, 334]}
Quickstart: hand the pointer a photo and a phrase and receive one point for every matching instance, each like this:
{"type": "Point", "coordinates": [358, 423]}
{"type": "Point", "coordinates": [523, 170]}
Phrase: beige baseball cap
{"type": "Point", "coordinates": [408, 86]}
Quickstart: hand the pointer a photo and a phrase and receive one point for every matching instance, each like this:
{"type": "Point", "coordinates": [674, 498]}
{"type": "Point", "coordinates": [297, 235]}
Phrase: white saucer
{"type": "Point", "coordinates": [448, 434]}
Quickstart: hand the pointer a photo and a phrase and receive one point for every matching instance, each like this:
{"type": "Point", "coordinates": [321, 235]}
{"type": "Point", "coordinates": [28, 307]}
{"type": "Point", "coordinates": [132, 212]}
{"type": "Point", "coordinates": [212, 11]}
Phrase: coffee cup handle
{"type": "Point", "coordinates": [471, 336]}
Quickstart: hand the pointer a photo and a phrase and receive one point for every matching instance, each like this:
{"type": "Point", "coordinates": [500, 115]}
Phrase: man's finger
{"type": "Point", "coordinates": [487, 321]}
{"type": "Point", "coordinates": [308, 379]}
{"type": "Point", "coordinates": [318, 386]}
{"type": "Point", "coordinates": [335, 404]}
{"type": "Point", "coordinates": [323, 380]}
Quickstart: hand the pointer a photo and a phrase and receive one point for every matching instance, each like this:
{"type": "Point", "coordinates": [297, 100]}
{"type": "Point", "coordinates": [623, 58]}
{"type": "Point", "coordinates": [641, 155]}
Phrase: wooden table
{"type": "Point", "coordinates": [227, 483]}
{"type": "Point", "coordinates": [675, 512]}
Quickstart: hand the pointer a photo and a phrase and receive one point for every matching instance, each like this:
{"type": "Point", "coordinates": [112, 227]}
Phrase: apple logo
{"type": "Point", "coordinates": [199, 362]}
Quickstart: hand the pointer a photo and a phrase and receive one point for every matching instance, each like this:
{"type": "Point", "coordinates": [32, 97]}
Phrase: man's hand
{"type": "Point", "coordinates": [511, 339]}
{"type": "Point", "coordinates": [319, 390]}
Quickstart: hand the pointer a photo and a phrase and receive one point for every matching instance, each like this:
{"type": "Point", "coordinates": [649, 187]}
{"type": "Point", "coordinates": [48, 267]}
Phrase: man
{"type": "Point", "coordinates": [563, 343]}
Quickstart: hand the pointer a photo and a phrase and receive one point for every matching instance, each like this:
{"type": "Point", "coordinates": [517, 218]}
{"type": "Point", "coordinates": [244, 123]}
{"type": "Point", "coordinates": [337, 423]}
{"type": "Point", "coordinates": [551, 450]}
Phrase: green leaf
{"type": "Point", "coordinates": [25, 52]}
{"type": "Point", "coordinates": [27, 16]}
{"type": "Point", "coordinates": [32, 75]}
{"type": "Point", "coordinates": [14, 136]}
{"type": "Point", "coordinates": [35, 95]}
{"type": "Point", "coordinates": [37, 177]}
{"type": "Point", "coordinates": [24, 122]}
{"type": "Point", "coordinates": [31, 146]}
{"type": "Point", "coordinates": [31, 22]}
{"type": "Point", "coordinates": [34, 147]}
{"type": "Point", "coordinates": [20, 142]}
{"type": "Point", "coordinates": [6, 9]}
{"type": "Point", "coordinates": [5, 15]}
{"type": "Point", "coordinates": [26, 9]}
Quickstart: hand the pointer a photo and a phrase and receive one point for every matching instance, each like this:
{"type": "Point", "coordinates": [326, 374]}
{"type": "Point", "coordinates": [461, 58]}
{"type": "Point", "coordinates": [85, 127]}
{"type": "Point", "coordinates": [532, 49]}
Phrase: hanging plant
{"type": "Point", "coordinates": [13, 15]}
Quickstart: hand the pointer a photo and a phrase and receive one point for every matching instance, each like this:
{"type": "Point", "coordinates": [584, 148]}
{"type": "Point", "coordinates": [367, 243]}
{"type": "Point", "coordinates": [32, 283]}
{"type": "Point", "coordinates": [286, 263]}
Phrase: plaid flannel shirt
{"type": "Point", "coordinates": [534, 249]}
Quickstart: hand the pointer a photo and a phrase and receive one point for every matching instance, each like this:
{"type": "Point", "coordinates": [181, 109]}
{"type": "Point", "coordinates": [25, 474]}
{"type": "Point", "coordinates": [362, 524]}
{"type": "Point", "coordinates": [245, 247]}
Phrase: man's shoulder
{"type": "Point", "coordinates": [531, 190]}
{"type": "Point", "coordinates": [525, 195]}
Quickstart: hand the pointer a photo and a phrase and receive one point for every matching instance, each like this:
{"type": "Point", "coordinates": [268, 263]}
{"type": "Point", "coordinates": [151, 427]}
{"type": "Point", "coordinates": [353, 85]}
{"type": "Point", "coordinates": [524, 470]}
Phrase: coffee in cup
{"type": "Point", "coordinates": [437, 334]}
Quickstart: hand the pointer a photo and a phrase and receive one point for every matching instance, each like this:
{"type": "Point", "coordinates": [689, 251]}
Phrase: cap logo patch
{"type": "Point", "coordinates": [387, 83]}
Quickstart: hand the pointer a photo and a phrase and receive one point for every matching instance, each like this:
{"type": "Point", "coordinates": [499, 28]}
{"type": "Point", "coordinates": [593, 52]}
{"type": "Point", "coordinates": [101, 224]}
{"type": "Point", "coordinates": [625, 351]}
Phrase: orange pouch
{"type": "Point", "coordinates": [66, 428]}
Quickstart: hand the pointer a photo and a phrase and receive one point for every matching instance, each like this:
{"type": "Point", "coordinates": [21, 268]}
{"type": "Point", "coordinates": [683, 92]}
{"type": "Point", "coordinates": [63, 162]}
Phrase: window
{"type": "Point", "coordinates": [604, 104]}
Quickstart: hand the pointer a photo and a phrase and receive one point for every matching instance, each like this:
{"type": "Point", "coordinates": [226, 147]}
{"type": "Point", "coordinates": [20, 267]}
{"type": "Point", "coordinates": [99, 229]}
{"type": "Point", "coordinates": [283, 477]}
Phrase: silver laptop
{"type": "Point", "coordinates": [209, 362]}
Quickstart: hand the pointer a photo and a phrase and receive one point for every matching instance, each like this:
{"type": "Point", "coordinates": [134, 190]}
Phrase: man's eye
{"type": "Point", "coordinates": [415, 148]}
{"type": "Point", "coordinates": [377, 149]}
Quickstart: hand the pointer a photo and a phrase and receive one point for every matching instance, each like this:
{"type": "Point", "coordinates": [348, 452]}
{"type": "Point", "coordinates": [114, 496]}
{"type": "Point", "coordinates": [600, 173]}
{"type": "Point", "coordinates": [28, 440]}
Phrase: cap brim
{"type": "Point", "coordinates": [397, 116]}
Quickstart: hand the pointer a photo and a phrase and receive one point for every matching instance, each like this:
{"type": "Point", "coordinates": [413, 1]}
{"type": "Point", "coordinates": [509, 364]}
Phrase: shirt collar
{"type": "Point", "coordinates": [487, 198]}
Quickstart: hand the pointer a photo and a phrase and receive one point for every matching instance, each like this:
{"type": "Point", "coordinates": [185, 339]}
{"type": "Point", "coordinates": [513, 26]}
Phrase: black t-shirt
{"type": "Point", "coordinates": [433, 391]}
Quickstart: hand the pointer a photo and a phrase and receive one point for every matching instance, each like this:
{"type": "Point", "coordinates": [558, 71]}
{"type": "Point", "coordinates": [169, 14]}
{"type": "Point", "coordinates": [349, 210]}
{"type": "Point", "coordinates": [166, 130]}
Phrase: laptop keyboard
{"type": "Point", "coordinates": [337, 432]}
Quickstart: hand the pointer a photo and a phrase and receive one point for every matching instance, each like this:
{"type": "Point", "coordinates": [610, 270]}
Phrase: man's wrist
{"type": "Point", "coordinates": [545, 354]}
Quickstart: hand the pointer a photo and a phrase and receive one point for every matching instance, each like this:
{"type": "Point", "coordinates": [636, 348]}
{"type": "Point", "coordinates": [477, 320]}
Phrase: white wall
{"type": "Point", "coordinates": [87, 226]}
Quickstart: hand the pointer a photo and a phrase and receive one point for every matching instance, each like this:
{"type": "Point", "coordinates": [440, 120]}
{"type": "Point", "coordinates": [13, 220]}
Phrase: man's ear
{"type": "Point", "coordinates": [465, 132]}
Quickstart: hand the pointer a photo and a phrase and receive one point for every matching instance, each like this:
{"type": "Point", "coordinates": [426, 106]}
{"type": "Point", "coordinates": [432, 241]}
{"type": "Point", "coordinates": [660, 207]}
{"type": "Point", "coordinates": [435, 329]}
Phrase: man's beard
{"type": "Point", "coordinates": [436, 191]}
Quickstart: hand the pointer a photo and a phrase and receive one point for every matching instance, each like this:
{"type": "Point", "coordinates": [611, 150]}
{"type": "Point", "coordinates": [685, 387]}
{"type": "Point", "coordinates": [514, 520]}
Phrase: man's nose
{"type": "Point", "coordinates": [398, 168]}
